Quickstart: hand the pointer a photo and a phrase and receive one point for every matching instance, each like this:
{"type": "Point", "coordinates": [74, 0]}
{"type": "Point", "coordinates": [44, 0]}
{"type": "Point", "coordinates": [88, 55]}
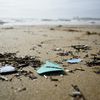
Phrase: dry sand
{"type": "Point", "coordinates": [40, 41]}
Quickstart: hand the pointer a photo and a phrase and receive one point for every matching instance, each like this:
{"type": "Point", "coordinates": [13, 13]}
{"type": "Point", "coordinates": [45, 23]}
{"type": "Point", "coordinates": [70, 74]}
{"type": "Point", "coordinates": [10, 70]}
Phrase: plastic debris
{"type": "Point", "coordinates": [7, 69]}
{"type": "Point", "coordinates": [77, 94]}
{"type": "Point", "coordinates": [74, 60]}
{"type": "Point", "coordinates": [57, 49]}
{"type": "Point", "coordinates": [19, 62]}
{"type": "Point", "coordinates": [69, 71]}
{"type": "Point", "coordinates": [45, 76]}
{"type": "Point", "coordinates": [49, 67]}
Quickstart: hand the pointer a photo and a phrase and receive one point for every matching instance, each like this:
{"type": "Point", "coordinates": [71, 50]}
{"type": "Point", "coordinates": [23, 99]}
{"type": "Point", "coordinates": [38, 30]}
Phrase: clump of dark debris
{"type": "Point", "coordinates": [92, 33]}
{"type": "Point", "coordinates": [8, 28]}
{"type": "Point", "coordinates": [52, 29]}
{"type": "Point", "coordinates": [94, 60]}
{"type": "Point", "coordinates": [19, 62]}
{"type": "Point", "coordinates": [96, 70]}
{"type": "Point", "coordinates": [77, 93]}
{"type": "Point", "coordinates": [26, 74]}
{"type": "Point", "coordinates": [73, 30]}
{"type": "Point", "coordinates": [81, 47]}
{"type": "Point", "coordinates": [63, 53]}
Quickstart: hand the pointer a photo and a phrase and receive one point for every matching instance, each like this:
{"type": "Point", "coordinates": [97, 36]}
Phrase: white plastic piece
{"type": "Point", "coordinates": [7, 69]}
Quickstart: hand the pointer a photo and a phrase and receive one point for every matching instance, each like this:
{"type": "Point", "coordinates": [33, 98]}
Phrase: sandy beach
{"type": "Point", "coordinates": [41, 41]}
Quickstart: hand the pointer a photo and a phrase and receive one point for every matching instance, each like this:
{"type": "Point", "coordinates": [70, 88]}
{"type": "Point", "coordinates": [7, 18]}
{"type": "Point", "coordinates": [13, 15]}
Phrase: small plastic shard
{"type": "Point", "coordinates": [45, 76]}
{"type": "Point", "coordinates": [7, 69]}
{"type": "Point", "coordinates": [74, 60]}
{"type": "Point", "coordinates": [76, 93]}
{"type": "Point", "coordinates": [57, 49]}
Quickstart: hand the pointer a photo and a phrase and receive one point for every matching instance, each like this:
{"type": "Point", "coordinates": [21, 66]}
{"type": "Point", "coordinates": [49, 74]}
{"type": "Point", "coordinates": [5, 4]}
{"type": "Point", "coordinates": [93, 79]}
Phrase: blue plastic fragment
{"type": "Point", "coordinates": [49, 67]}
{"type": "Point", "coordinates": [74, 60]}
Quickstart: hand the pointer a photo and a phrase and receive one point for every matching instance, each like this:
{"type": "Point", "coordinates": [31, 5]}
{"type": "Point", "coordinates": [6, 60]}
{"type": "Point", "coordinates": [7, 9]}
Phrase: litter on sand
{"type": "Point", "coordinates": [74, 60]}
{"type": "Point", "coordinates": [57, 49]}
{"type": "Point", "coordinates": [95, 61]}
{"type": "Point", "coordinates": [27, 74]}
{"type": "Point", "coordinates": [81, 47]}
{"type": "Point", "coordinates": [49, 67]}
{"type": "Point", "coordinates": [77, 93]}
{"type": "Point", "coordinates": [7, 69]}
{"type": "Point", "coordinates": [19, 62]}
{"type": "Point", "coordinates": [63, 53]}
{"type": "Point", "coordinates": [73, 70]}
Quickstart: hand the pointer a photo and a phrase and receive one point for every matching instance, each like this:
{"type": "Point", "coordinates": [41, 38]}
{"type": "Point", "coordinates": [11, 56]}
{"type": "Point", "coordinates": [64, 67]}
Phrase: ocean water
{"type": "Point", "coordinates": [29, 12]}
{"type": "Point", "coordinates": [31, 21]}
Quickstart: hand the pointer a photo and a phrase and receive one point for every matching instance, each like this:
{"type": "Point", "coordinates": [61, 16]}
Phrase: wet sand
{"type": "Point", "coordinates": [40, 41]}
